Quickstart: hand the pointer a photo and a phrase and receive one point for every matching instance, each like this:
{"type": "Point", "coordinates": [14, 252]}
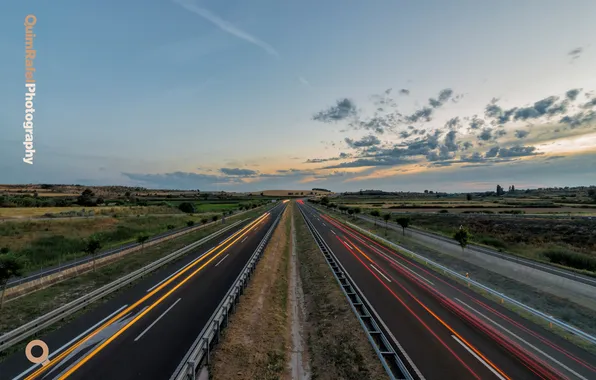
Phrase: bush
{"type": "Point", "coordinates": [190, 223]}
{"type": "Point", "coordinates": [187, 207]}
{"type": "Point", "coordinates": [571, 259]}
{"type": "Point", "coordinates": [493, 242]}
{"type": "Point", "coordinates": [204, 220]}
{"type": "Point", "coordinates": [443, 211]}
{"type": "Point", "coordinates": [171, 226]}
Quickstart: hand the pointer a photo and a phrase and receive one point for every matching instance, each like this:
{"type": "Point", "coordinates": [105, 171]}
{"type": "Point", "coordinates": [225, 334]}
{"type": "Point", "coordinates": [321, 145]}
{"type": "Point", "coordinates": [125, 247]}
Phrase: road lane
{"type": "Point", "coordinates": [199, 296]}
{"type": "Point", "coordinates": [421, 289]}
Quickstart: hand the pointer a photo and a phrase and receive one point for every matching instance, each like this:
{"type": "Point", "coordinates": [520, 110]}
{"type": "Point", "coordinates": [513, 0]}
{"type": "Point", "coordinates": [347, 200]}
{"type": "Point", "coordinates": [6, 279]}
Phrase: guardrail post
{"type": "Point", "coordinates": [190, 370]}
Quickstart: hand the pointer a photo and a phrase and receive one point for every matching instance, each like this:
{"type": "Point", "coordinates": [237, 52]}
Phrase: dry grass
{"type": "Point", "coordinates": [337, 344]}
{"type": "Point", "coordinates": [29, 212]}
{"type": "Point", "coordinates": [255, 344]}
{"type": "Point", "coordinates": [286, 193]}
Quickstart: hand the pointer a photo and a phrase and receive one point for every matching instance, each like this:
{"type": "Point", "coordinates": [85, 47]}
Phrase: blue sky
{"type": "Point", "coordinates": [222, 94]}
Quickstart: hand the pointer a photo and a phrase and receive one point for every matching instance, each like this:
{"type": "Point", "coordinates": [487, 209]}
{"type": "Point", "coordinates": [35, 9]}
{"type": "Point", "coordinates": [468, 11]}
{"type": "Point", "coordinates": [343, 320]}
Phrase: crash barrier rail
{"type": "Point", "coordinates": [547, 318]}
{"type": "Point", "coordinates": [367, 316]}
{"type": "Point", "coordinates": [84, 260]}
{"type": "Point", "coordinates": [23, 332]}
{"type": "Point", "coordinates": [200, 351]}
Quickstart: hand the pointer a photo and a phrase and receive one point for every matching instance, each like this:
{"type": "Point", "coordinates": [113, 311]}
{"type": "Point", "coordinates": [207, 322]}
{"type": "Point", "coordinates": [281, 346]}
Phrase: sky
{"type": "Point", "coordinates": [248, 95]}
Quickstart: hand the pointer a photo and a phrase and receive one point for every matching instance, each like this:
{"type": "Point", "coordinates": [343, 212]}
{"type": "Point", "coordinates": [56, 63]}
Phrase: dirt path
{"type": "Point", "coordinates": [299, 362]}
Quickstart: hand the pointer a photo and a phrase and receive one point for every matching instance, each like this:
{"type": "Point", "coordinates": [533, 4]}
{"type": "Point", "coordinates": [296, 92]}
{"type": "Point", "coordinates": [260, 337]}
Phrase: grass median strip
{"type": "Point", "coordinates": [255, 343]}
{"type": "Point", "coordinates": [337, 344]}
{"type": "Point", "coordinates": [24, 309]}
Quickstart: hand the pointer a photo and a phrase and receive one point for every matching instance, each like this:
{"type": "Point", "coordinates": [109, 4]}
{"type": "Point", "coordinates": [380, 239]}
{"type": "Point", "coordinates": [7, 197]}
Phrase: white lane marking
{"type": "Point", "coordinates": [222, 259]}
{"type": "Point", "coordinates": [160, 317]}
{"type": "Point", "coordinates": [242, 241]}
{"type": "Point", "coordinates": [56, 352]}
{"type": "Point", "coordinates": [349, 246]}
{"type": "Point", "coordinates": [497, 374]}
{"type": "Point", "coordinates": [324, 224]}
{"type": "Point", "coordinates": [401, 265]}
{"type": "Point", "coordinates": [381, 273]}
{"type": "Point", "coordinates": [178, 271]}
{"type": "Point", "coordinates": [522, 340]}
{"type": "Point", "coordinates": [333, 232]}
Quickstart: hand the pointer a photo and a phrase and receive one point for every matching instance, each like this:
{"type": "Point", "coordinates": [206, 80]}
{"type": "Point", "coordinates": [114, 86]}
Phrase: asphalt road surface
{"type": "Point", "coordinates": [144, 331]}
{"type": "Point", "coordinates": [447, 330]}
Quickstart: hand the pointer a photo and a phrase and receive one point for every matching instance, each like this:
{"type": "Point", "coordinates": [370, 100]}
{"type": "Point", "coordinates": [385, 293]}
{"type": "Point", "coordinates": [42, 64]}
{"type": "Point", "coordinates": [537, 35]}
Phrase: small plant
{"type": "Point", "coordinates": [404, 222]}
{"type": "Point", "coordinates": [93, 245]}
{"type": "Point", "coordinates": [190, 223]}
{"type": "Point", "coordinates": [462, 236]}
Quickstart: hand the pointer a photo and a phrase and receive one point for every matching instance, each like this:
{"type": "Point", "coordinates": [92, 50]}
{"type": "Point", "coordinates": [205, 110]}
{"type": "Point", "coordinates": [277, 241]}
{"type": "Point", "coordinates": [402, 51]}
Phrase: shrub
{"type": "Point", "coordinates": [493, 242]}
{"type": "Point", "coordinates": [190, 223]}
{"type": "Point", "coordinates": [187, 207]}
{"type": "Point", "coordinates": [571, 259]}
{"type": "Point", "coordinates": [171, 226]}
{"type": "Point", "coordinates": [444, 211]}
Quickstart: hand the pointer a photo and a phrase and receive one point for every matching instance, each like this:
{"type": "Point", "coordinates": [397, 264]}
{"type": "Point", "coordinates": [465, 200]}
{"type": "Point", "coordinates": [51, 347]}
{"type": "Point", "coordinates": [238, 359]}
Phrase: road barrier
{"type": "Point", "coordinates": [547, 318]}
{"type": "Point", "coordinates": [200, 350]}
{"type": "Point", "coordinates": [23, 332]}
{"type": "Point", "coordinates": [367, 316]}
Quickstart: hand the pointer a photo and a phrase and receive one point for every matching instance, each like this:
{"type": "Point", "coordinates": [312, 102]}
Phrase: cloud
{"type": "Point", "coordinates": [520, 133]}
{"type": "Point", "coordinates": [378, 161]}
{"type": "Point", "coordinates": [579, 119]}
{"type": "Point", "coordinates": [590, 104]}
{"type": "Point", "coordinates": [179, 180]}
{"type": "Point", "coordinates": [453, 123]}
{"type": "Point", "coordinates": [303, 81]}
{"type": "Point", "coordinates": [342, 156]}
{"type": "Point", "coordinates": [486, 134]}
{"type": "Point", "coordinates": [239, 172]}
{"type": "Point", "coordinates": [544, 107]}
{"type": "Point", "coordinates": [476, 123]}
{"type": "Point", "coordinates": [404, 91]}
{"type": "Point", "coordinates": [518, 151]}
{"type": "Point", "coordinates": [492, 152]}
{"type": "Point", "coordinates": [344, 109]}
{"type": "Point", "coordinates": [576, 53]}
{"type": "Point", "coordinates": [226, 26]}
{"type": "Point", "coordinates": [572, 94]}
{"type": "Point", "coordinates": [424, 113]}
{"type": "Point", "coordinates": [365, 141]}
{"type": "Point", "coordinates": [443, 97]}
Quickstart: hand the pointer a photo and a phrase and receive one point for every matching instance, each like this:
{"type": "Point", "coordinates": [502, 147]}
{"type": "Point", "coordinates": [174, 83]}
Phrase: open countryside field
{"type": "Point", "coordinates": [29, 212]}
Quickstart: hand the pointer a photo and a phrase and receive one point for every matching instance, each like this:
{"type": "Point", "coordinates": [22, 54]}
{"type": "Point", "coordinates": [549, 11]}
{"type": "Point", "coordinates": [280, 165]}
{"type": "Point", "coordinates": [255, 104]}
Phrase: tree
{"type": "Point", "coordinates": [500, 190]}
{"type": "Point", "coordinates": [86, 198]}
{"type": "Point", "coordinates": [325, 201]}
{"type": "Point", "coordinates": [141, 239]}
{"type": "Point", "coordinates": [204, 220]}
{"type": "Point", "coordinates": [462, 236]}
{"type": "Point", "coordinates": [187, 207]}
{"type": "Point", "coordinates": [357, 210]}
{"type": "Point", "coordinates": [592, 194]}
{"type": "Point", "coordinates": [375, 214]}
{"type": "Point", "coordinates": [469, 196]}
{"type": "Point", "coordinates": [93, 245]}
{"type": "Point", "coordinates": [214, 218]}
{"type": "Point", "coordinates": [386, 217]}
{"type": "Point", "coordinates": [100, 201]}
{"type": "Point", "coordinates": [170, 226]}
{"type": "Point", "coordinates": [404, 222]}
{"type": "Point", "coordinates": [351, 211]}
{"type": "Point", "coordinates": [425, 191]}
{"type": "Point", "coordinates": [190, 223]}
{"type": "Point", "coordinates": [10, 266]}
{"type": "Point", "coordinates": [127, 194]}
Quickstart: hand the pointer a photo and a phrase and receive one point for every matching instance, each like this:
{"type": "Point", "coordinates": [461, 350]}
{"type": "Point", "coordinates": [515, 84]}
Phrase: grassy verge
{"type": "Point", "coordinates": [24, 309]}
{"type": "Point", "coordinates": [560, 308]}
{"type": "Point", "coordinates": [255, 343]}
{"type": "Point", "coordinates": [337, 344]}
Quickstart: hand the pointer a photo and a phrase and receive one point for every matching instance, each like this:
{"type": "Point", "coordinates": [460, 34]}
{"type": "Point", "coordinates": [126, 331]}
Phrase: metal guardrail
{"type": "Point", "coordinates": [367, 317]}
{"type": "Point", "coordinates": [200, 350]}
{"type": "Point", "coordinates": [537, 313]}
{"type": "Point", "coordinates": [83, 260]}
{"type": "Point", "coordinates": [23, 332]}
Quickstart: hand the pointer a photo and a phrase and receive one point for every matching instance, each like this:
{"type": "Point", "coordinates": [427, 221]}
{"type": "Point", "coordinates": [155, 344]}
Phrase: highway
{"type": "Point", "coordinates": [421, 235]}
{"type": "Point", "coordinates": [144, 331]}
{"type": "Point", "coordinates": [446, 330]}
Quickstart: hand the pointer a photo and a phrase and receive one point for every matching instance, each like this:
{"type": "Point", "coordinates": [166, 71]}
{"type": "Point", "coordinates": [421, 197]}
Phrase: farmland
{"type": "Point", "coordinates": [541, 225]}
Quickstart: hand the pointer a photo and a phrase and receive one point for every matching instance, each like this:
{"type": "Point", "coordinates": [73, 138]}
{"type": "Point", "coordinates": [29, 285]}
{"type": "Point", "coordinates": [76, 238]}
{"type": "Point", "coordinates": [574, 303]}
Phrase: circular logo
{"type": "Point", "coordinates": [45, 352]}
